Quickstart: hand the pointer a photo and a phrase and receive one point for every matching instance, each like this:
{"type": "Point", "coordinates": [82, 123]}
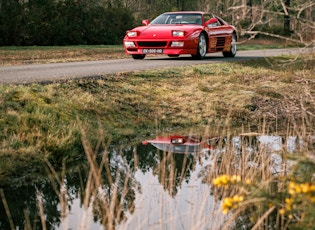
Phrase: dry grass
{"type": "Point", "coordinates": [50, 54]}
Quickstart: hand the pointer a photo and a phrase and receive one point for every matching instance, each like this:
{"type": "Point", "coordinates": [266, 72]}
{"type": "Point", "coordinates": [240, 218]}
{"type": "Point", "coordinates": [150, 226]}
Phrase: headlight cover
{"type": "Point", "coordinates": [129, 44]}
{"type": "Point", "coordinates": [132, 33]}
{"type": "Point", "coordinates": [177, 44]}
{"type": "Point", "coordinates": [178, 33]}
{"type": "Point", "coordinates": [177, 140]}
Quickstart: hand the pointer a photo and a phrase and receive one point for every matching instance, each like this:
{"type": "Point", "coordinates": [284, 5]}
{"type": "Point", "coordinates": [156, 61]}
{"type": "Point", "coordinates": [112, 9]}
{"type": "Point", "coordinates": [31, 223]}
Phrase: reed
{"type": "Point", "coordinates": [259, 191]}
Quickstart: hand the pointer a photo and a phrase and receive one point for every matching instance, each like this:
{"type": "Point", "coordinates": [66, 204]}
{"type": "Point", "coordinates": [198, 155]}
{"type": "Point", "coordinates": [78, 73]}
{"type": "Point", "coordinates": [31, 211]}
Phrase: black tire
{"type": "Point", "coordinates": [202, 47]}
{"type": "Point", "coordinates": [233, 48]}
{"type": "Point", "coordinates": [138, 56]}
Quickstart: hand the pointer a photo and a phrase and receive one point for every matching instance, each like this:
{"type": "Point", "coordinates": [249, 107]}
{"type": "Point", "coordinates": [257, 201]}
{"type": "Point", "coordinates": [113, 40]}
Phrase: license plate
{"type": "Point", "coordinates": [152, 51]}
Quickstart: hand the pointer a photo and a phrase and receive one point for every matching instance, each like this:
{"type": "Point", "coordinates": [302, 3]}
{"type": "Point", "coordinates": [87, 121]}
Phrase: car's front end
{"type": "Point", "coordinates": [172, 34]}
{"type": "Point", "coordinates": [161, 40]}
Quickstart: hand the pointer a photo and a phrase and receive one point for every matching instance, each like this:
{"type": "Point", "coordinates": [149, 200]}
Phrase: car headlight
{"type": "Point", "coordinates": [178, 141]}
{"type": "Point", "coordinates": [177, 33]}
{"type": "Point", "coordinates": [177, 44]}
{"type": "Point", "coordinates": [132, 34]}
{"type": "Point", "coordinates": [130, 44]}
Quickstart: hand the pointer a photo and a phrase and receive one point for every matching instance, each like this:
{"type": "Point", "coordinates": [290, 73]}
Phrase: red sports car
{"type": "Point", "coordinates": [186, 32]}
{"type": "Point", "coordinates": [185, 144]}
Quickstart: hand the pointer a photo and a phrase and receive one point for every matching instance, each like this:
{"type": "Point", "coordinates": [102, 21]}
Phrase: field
{"type": "Point", "coordinates": [52, 122]}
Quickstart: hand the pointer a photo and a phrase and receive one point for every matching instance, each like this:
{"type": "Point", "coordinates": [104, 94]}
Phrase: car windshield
{"type": "Point", "coordinates": [178, 19]}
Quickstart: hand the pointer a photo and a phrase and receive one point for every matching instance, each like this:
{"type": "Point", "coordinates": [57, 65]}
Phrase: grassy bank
{"type": "Point", "coordinates": [43, 121]}
{"type": "Point", "coordinates": [22, 55]}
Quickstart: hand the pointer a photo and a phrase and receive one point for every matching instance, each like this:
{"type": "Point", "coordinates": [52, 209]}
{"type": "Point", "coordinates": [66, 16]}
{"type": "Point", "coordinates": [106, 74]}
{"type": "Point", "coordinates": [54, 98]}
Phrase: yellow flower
{"type": "Point", "coordinates": [224, 179]}
{"type": "Point", "coordinates": [288, 207]}
{"type": "Point", "coordinates": [216, 181]}
{"type": "Point", "coordinates": [225, 211]}
{"type": "Point", "coordinates": [291, 191]}
{"type": "Point", "coordinates": [291, 185]}
{"type": "Point", "coordinates": [221, 180]}
{"type": "Point", "coordinates": [231, 202]}
{"type": "Point", "coordinates": [298, 189]}
{"type": "Point", "coordinates": [235, 178]}
{"type": "Point", "coordinates": [305, 187]}
{"type": "Point", "coordinates": [228, 202]}
{"type": "Point", "coordinates": [281, 211]}
{"type": "Point", "coordinates": [237, 198]}
{"type": "Point", "coordinates": [289, 200]}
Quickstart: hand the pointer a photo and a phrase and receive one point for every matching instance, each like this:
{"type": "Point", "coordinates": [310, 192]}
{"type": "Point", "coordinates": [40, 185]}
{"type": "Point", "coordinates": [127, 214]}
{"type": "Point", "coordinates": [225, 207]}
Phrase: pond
{"type": "Point", "coordinates": [133, 187]}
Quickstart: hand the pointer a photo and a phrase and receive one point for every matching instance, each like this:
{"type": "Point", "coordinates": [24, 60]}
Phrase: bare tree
{"type": "Point", "coordinates": [291, 20]}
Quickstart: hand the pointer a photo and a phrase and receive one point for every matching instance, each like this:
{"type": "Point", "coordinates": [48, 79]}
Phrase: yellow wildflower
{"type": "Point", "coordinates": [224, 179]}
{"type": "Point", "coordinates": [235, 178]}
{"type": "Point", "coordinates": [288, 204]}
{"type": "Point", "coordinates": [298, 189]}
{"type": "Point", "coordinates": [305, 187]}
{"type": "Point", "coordinates": [221, 180]}
{"type": "Point", "coordinates": [237, 198]}
{"type": "Point", "coordinates": [216, 181]}
{"type": "Point", "coordinates": [231, 202]}
{"type": "Point", "coordinates": [281, 211]}
{"type": "Point", "coordinates": [289, 200]}
{"type": "Point", "coordinates": [228, 202]}
{"type": "Point", "coordinates": [292, 186]}
{"type": "Point", "coordinates": [225, 211]}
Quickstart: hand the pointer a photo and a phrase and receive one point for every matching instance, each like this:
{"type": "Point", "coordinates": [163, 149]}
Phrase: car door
{"type": "Point", "coordinates": [217, 33]}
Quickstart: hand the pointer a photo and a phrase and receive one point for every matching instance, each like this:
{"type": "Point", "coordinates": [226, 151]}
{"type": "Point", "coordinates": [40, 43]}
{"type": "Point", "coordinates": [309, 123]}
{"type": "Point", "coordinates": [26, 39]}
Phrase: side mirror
{"type": "Point", "coordinates": [212, 22]}
{"type": "Point", "coordinates": [145, 22]}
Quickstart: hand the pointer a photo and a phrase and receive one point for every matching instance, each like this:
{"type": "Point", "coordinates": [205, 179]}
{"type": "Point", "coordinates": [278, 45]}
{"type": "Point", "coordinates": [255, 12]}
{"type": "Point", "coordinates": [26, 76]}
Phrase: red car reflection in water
{"type": "Point", "coordinates": [182, 144]}
{"type": "Point", "coordinates": [187, 32]}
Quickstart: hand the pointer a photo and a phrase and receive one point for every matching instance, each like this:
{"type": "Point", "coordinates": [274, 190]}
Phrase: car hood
{"type": "Point", "coordinates": [164, 31]}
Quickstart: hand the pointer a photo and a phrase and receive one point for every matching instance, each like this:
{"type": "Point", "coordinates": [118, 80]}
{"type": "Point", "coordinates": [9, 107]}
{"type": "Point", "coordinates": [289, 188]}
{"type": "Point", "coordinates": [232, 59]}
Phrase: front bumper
{"type": "Point", "coordinates": [172, 47]}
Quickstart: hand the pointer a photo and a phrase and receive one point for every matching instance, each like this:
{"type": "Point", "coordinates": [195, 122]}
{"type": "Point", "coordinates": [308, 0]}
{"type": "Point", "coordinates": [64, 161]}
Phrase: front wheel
{"type": "Point", "coordinates": [202, 47]}
{"type": "Point", "coordinates": [138, 56]}
{"type": "Point", "coordinates": [233, 49]}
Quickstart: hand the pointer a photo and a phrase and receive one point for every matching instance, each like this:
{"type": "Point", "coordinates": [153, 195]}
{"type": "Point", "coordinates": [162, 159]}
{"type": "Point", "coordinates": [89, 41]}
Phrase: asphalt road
{"type": "Point", "coordinates": [24, 74]}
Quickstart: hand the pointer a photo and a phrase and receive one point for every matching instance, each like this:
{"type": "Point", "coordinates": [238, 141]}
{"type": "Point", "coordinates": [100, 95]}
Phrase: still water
{"type": "Point", "coordinates": [134, 187]}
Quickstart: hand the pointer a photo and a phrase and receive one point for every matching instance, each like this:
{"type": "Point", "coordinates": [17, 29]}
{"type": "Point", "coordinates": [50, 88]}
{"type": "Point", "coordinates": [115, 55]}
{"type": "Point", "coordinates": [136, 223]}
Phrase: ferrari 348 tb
{"type": "Point", "coordinates": [186, 32]}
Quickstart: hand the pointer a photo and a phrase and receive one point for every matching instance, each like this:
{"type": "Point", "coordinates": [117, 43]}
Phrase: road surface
{"type": "Point", "coordinates": [24, 74]}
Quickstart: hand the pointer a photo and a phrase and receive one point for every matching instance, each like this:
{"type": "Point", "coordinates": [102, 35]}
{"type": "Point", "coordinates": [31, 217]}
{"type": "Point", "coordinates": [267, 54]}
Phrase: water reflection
{"type": "Point", "coordinates": [132, 187]}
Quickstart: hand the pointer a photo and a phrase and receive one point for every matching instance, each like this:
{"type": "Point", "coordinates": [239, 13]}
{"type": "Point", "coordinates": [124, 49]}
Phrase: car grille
{"type": "Point", "coordinates": [152, 44]}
